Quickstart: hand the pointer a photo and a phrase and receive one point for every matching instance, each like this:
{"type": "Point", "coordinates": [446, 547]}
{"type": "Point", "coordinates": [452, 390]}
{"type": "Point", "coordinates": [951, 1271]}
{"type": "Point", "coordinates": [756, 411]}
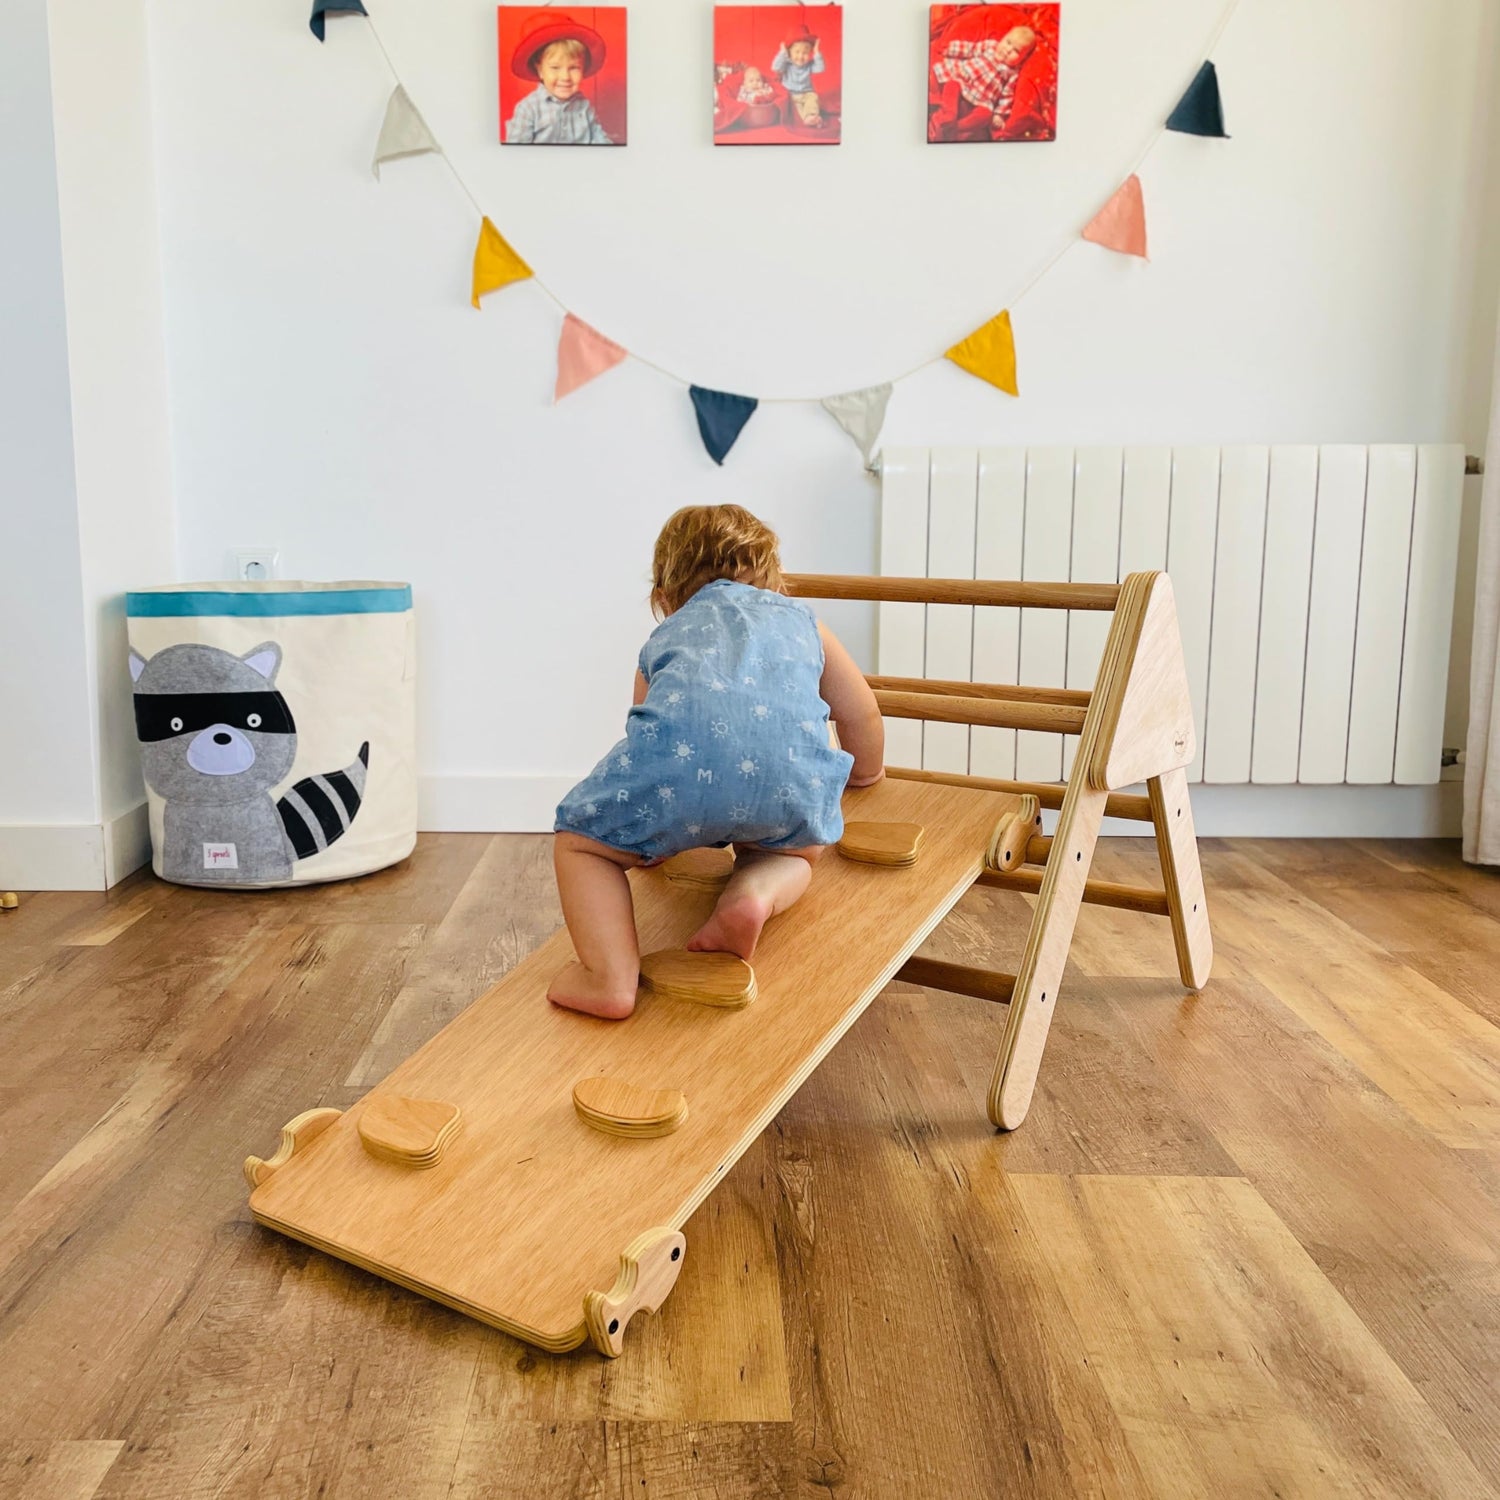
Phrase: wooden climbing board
{"type": "Point", "coordinates": [524, 1221]}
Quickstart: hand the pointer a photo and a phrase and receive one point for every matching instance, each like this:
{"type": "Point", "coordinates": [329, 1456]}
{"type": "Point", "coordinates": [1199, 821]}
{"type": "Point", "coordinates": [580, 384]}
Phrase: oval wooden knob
{"type": "Point", "coordinates": [704, 978]}
{"type": "Point", "coordinates": [9, 901]}
{"type": "Point", "coordinates": [701, 869]}
{"type": "Point", "coordinates": [893, 844]}
{"type": "Point", "coordinates": [408, 1132]}
{"type": "Point", "coordinates": [619, 1107]}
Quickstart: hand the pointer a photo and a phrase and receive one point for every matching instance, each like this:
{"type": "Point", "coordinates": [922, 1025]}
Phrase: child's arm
{"type": "Point", "coordinates": [640, 690]}
{"type": "Point", "coordinates": [854, 710]}
{"type": "Point", "coordinates": [780, 61]}
{"type": "Point", "coordinates": [817, 62]}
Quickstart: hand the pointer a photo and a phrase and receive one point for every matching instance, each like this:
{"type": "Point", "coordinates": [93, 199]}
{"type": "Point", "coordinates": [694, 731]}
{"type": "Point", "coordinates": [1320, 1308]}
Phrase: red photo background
{"type": "Point", "coordinates": [750, 36]}
{"type": "Point", "coordinates": [1033, 112]}
{"type": "Point", "coordinates": [605, 90]}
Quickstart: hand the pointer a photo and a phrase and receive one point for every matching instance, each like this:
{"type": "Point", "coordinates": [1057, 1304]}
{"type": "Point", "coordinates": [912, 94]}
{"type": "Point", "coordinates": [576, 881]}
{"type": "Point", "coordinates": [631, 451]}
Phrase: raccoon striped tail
{"type": "Point", "coordinates": [319, 809]}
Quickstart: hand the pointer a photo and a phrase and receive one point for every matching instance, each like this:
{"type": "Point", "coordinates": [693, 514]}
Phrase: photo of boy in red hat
{"type": "Point", "coordinates": [776, 79]}
{"type": "Point", "coordinates": [562, 76]}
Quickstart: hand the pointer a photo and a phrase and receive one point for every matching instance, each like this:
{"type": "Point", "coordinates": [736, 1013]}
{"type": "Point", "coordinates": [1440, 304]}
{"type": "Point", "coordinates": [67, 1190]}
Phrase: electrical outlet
{"type": "Point", "coordinates": [255, 564]}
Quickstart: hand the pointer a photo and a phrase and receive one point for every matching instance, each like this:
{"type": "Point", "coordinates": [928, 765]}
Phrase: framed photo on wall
{"type": "Point", "coordinates": [992, 72]}
{"type": "Point", "coordinates": [562, 75]}
{"type": "Point", "coordinates": [778, 73]}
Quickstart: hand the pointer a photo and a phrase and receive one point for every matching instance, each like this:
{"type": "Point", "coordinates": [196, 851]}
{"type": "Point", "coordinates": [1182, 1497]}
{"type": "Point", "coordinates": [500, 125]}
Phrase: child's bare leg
{"type": "Point", "coordinates": [765, 882]}
{"type": "Point", "coordinates": [601, 921]}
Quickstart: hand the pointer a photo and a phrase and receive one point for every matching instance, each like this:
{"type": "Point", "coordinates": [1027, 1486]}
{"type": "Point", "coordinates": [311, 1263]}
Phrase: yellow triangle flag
{"type": "Point", "coordinates": [990, 353]}
{"type": "Point", "coordinates": [495, 263]}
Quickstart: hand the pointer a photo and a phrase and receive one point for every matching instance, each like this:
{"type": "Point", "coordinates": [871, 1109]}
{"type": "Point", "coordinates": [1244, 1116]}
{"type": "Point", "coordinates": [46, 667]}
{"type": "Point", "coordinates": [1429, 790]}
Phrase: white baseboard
{"type": "Point", "coordinates": [52, 857]}
{"type": "Point", "coordinates": [73, 856]}
{"type": "Point", "coordinates": [1329, 812]}
{"type": "Point", "coordinates": [127, 844]}
{"type": "Point", "coordinates": [490, 804]}
{"type": "Point", "coordinates": [526, 804]}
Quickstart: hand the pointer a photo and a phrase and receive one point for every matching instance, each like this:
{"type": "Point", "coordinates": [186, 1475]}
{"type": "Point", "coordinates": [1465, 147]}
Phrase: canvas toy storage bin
{"type": "Point", "coordinates": [277, 729]}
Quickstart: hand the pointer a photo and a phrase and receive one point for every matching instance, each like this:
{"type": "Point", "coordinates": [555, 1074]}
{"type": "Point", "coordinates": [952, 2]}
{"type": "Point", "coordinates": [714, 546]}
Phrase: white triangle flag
{"type": "Point", "coordinates": [860, 414]}
{"type": "Point", "coordinates": [404, 132]}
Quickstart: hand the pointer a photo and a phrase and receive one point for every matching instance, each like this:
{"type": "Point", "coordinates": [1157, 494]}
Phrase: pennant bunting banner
{"type": "Point", "coordinates": [495, 263]}
{"type": "Point", "coordinates": [322, 8]}
{"type": "Point", "coordinates": [404, 132]}
{"type": "Point", "coordinates": [990, 353]}
{"type": "Point", "coordinates": [583, 353]}
{"type": "Point", "coordinates": [1121, 224]}
{"type": "Point", "coordinates": [1200, 111]}
{"type": "Point", "coordinates": [721, 418]}
{"type": "Point", "coordinates": [860, 414]}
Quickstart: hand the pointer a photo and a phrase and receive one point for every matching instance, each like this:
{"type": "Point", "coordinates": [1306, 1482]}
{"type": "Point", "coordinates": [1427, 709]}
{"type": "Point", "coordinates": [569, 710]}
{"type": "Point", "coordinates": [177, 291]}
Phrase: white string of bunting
{"type": "Point", "coordinates": [989, 352]}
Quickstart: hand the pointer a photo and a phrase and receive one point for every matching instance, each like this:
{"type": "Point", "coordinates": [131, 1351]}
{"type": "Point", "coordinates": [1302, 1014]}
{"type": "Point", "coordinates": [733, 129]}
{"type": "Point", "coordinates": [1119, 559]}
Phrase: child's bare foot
{"type": "Point", "coordinates": [577, 988]}
{"type": "Point", "coordinates": [734, 927]}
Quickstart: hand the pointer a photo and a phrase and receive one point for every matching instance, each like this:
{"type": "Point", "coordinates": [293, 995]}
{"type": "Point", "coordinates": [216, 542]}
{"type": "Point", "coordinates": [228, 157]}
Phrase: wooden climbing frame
{"type": "Point", "coordinates": [478, 1173]}
{"type": "Point", "coordinates": [1135, 726]}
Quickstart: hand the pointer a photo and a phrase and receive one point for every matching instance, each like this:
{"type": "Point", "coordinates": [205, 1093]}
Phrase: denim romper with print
{"type": "Point", "coordinates": [731, 742]}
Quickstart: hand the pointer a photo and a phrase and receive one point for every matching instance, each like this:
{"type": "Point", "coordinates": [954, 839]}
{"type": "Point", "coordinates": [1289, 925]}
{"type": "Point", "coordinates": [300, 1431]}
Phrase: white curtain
{"type": "Point", "coordinates": [1482, 755]}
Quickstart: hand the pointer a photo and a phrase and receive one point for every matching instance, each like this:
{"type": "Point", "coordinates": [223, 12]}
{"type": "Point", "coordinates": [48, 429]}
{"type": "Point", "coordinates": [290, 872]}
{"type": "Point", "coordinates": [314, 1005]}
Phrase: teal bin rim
{"type": "Point", "coordinates": [267, 601]}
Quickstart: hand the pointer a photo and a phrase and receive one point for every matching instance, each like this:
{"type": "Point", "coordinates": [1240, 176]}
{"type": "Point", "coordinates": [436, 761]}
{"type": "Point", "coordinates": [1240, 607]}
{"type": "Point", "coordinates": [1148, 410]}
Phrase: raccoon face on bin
{"type": "Point", "coordinates": [211, 726]}
{"type": "Point", "coordinates": [216, 737]}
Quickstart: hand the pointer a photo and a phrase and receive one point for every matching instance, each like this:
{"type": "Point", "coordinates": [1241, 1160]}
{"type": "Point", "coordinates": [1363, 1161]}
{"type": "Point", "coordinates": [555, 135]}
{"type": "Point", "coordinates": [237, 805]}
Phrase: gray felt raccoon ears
{"type": "Point", "coordinates": [264, 658]}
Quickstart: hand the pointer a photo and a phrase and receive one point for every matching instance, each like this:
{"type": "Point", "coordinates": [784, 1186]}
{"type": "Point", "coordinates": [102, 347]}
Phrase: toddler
{"type": "Point", "coordinates": [795, 63]}
{"type": "Point", "coordinates": [727, 743]}
{"type": "Point", "coordinates": [978, 82]}
{"type": "Point", "coordinates": [754, 89]}
{"type": "Point", "coordinates": [560, 54]}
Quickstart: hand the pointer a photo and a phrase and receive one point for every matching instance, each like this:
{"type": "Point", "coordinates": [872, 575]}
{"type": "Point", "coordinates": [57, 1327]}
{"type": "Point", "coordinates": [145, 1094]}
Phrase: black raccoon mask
{"type": "Point", "coordinates": [161, 716]}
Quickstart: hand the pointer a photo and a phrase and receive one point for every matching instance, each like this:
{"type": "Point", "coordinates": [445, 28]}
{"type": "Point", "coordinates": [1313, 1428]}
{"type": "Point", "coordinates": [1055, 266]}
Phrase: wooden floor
{"type": "Point", "coordinates": [1246, 1243]}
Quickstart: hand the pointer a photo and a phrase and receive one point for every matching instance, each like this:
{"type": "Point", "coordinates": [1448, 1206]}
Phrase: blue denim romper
{"type": "Point", "coordinates": [731, 743]}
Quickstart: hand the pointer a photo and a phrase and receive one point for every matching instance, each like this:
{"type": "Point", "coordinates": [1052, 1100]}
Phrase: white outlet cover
{"type": "Point", "coordinates": [255, 564]}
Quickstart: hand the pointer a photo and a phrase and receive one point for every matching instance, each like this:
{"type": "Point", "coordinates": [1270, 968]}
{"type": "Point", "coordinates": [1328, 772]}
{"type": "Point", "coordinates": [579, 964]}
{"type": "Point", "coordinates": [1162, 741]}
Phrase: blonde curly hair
{"type": "Point", "coordinates": [701, 543]}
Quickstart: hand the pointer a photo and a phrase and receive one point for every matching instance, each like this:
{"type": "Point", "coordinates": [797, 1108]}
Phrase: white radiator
{"type": "Point", "coordinates": [1314, 592]}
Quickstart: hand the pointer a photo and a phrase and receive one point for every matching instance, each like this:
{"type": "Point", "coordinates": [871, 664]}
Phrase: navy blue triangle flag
{"type": "Point", "coordinates": [322, 7]}
{"type": "Point", "coordinates": [1199, 111]}
{"type": "Point", "coordinates": [721, 418]}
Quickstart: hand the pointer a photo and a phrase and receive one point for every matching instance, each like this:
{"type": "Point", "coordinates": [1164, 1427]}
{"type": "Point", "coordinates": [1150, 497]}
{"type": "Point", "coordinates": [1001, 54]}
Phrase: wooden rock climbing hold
{"type": "Point", "coordinates": [704, 978]}
{"type": "Point", "coordinates": [881, 843]}
{"type": "Point", "coordinates": [702, 869]}
{"type": "Point", "coordinates": [618, 1107]}
{"type": "Point", "coordinates": [408, 1132]}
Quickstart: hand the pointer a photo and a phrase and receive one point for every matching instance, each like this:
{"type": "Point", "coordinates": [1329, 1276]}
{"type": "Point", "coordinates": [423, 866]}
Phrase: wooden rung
{"type": "Point", "coordinates": [1010, 693]}
{"type": "Point", "coordinates": [1100, 892]}
{"type": "Point", "coordinates": [1050, 718]}
{"type": "Point", "coordinates": [981, 984]}
{"type": "Point", "coordinates": [1038, 847]}
{"type": "Point", "coordinates": [954, 591]}
{"type": "Point", "coordinates": [1120, 804]}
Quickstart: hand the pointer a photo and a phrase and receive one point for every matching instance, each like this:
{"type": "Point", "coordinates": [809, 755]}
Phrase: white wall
{"type": "Point", "coordinates": [45, 735]}
{"type": "Point", "coordinates": [117, 356]}
{"type": "Point", "coordinates": [1316, 278]}
{"type": "Point", "coordinates": [85, 495]}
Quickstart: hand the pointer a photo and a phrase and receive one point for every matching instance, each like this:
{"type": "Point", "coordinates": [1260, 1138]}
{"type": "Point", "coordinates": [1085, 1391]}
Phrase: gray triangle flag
{"type": "Point", "coordinates": [860, 414]}
{"type": "Point", "coordinates": [404, 132]}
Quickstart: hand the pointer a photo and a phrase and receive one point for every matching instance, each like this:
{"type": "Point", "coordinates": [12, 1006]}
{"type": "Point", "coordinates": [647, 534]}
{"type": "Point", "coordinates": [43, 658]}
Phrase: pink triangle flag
{"type": "Point", "coordinates": [582, 353]}
{"type": "Point", "coordinates": [1121, 223]}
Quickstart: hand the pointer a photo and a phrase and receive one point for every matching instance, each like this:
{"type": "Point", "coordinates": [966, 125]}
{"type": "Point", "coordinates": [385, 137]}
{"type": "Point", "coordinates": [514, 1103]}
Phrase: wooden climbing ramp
{"type": "Point", "coordinates": [473, 1175]}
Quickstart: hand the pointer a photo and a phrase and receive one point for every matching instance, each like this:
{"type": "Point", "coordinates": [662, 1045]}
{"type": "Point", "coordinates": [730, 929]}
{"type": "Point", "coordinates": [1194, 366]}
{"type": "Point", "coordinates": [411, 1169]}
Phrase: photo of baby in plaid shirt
{"type": "Point", "coordinates": [992, 73]}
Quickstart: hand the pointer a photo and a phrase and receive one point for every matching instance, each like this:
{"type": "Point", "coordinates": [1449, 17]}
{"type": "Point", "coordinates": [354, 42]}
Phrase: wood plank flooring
{"type": "Point", "coordinates": [1247, 1243]}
